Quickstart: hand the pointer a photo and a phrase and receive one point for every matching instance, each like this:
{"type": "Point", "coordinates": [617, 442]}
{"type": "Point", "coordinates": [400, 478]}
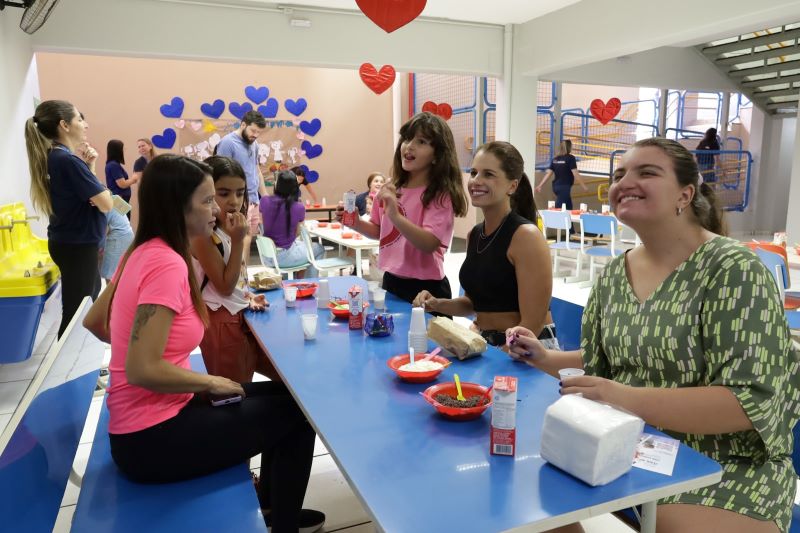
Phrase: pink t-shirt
{"type": "Point", "coordinates": [401, 258]}
{"type": "Point", "coordinates": [154, 274]}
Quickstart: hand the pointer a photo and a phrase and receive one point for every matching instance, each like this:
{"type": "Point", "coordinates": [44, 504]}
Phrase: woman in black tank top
{"type": "Point", "coordinates": [506, 274]}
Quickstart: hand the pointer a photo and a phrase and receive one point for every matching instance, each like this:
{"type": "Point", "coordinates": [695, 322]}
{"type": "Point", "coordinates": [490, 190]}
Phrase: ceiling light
{"type": "Point", "coordinates": [300, 23]}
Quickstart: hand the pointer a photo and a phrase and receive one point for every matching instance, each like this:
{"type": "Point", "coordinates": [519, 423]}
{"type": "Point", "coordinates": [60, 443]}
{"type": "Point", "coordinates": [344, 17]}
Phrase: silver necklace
{"type": "Point", "coordinates": [481, 236]}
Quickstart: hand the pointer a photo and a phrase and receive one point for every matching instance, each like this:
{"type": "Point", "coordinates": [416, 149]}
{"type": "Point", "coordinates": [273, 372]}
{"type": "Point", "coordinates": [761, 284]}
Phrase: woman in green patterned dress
{"type": "Point", "coordinates": [687, 331]}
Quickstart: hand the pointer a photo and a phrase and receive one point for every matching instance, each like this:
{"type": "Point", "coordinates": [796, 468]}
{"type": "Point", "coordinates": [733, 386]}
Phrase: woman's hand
{"type": "Point", "coordinates": [538, 188]}
{"type": "Point", "coordinates": [86, 152]}
{"type": "Point", "coordinates": [524, 346]}
{"type": "Point", "coordinates": [595, 388]}
{"type": "Point", "coordinates": [427, 301]}
{"type": "Point", "coordinates": [236, 226]}
{"type": "Point", "coordinates": [219, 385]}
{"type": "Point", "coordinates": [387, 197]}
{"type": "Point", "coordinates": [258, 302]}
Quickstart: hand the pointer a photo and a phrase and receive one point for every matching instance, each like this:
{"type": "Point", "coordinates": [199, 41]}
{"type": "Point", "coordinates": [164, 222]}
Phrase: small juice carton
{"type": "Point", "coordinates": [605, 209]}
{"type": "Point", "coordinates": [355, 301]}
{"type": "Point", "coordinates": [584, 208]}
{"type": "Point", "coordinates": [503, 435]}
{"type": "Point", "coordinates": [350, 212]}
{"type": "Point", "coordinates": [551, 204]}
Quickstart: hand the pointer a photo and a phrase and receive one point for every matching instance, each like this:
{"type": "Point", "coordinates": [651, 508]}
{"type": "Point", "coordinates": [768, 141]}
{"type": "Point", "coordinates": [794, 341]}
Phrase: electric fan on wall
{"type": "Point", "coordinates": [35, 15]}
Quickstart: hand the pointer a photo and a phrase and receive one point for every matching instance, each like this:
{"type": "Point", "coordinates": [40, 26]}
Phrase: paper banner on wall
{"type": "Point", "coordinates": [278, 146]}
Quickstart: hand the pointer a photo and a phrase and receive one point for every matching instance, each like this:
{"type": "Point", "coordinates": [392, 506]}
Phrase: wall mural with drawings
{"type": "Point", "coordinates": [286, 142]}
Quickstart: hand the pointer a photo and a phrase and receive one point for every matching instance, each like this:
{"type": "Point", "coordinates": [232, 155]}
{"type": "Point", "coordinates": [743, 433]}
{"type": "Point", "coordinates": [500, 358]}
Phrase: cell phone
{"type": "Point", "coordinates": [224, 399]}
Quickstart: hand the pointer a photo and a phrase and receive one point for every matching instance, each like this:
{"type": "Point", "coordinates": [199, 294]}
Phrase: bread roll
{"type": "Point", "coordinates": [456, 339]}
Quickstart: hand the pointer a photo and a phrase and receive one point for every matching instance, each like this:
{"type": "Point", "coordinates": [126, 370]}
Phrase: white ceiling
{"type": "Point", "coordinates": [494, 11]}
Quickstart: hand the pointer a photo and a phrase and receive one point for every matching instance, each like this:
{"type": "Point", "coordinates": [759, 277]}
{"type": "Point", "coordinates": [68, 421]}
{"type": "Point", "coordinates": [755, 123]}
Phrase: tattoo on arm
{"type": "Point", "coordinates": [143, 314]}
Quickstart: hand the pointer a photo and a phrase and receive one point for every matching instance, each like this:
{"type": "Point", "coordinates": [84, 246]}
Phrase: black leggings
{"type": "Point", "coordinates": [202, 439]}
{"type": "Point", "coordinates": [80, 276]}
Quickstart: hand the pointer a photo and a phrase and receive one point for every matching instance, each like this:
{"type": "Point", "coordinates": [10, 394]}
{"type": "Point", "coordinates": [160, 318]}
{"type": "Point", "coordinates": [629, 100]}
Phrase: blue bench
{"type": "Point", "coordinates": [224, 501]}
{"type": "Point", "coordinates": [43, 435]}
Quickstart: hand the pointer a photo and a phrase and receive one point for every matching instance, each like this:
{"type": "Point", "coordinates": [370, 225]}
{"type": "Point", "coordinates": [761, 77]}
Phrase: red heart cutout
{"type": "Point", "coordinates": [443, 110]}
{"type": "Point", "coordinates": [605, 111]}
{"type": "Point", "coordinates": [391, 14]}
{"type": "Point", "coordinates": [376, 80]}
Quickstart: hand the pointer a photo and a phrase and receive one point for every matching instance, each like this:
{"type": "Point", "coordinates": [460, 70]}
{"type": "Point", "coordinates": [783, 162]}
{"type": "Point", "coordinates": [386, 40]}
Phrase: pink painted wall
{"type": "Point", "coordinates": [120, 98]}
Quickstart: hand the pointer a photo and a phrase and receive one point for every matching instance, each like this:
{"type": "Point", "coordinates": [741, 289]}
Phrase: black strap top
{"type": "Point", "coordinates": [487, 276]}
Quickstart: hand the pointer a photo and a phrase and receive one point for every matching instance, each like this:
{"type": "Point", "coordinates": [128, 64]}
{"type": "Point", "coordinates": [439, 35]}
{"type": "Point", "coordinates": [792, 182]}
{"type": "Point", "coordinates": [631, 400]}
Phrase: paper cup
{"type": "Point", "coordinates": [309, 322]}
{"type": "Point", "coordinates": [570, 373]}
{"type": "Point", "coordinates": [380, 300]}
{"type": "Point", "coordinates": [290, 295]}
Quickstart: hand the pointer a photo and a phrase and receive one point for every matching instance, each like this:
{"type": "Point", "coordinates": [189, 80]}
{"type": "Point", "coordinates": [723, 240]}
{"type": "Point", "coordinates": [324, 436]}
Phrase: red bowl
{"type": "Point", "coordinates": [304, 288]}
{"type": "Point", "coordinates": [317, 205]}
{"type": "Point", "coordinates": [322, 224]}
{"type": "Point", "coordinates": [335, 225]}
{"type": "Point", "coordinates": [457, 413]}
{"type": "Point", "coordinates": [342, 313]}
{"type": "Point", "coordinates": [347, 235]}
{"type": "Point", "coordinates": [416, 377]}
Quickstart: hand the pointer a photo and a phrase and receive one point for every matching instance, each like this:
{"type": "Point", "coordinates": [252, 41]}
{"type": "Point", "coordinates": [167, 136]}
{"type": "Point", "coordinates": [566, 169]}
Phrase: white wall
{"type": "Point", "coordinates": [18, 87]}
{"type": "Point", "coordinates": [671, 67]}
{"type": "Point", "coordinates": [149, 28]}
{"type": "Point", "coordinates": [596, 30]}
{"type": "Point", "coordinates": [775, 174]}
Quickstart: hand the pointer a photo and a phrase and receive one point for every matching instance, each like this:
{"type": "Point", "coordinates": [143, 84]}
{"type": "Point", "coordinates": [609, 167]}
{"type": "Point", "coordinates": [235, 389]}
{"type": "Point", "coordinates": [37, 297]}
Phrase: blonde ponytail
{"type": "Point", "coordinates": [38, 146]}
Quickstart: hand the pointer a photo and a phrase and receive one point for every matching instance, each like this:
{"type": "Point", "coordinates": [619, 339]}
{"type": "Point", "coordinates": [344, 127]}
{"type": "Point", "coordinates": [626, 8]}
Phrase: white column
{"type": "Point", "coordinates": [793, 215]}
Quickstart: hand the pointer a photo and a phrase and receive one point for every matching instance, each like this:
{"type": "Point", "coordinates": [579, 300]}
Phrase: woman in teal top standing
{"type": "Point", "coordinates": [688, 332]}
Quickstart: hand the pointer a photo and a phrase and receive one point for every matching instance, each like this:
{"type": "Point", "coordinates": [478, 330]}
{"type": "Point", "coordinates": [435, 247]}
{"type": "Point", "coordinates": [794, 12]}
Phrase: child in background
{"type": "Point", "coordinates": [229, 348]}
{"type": "Point", "coordinates": [413, 214]}
{"type": "Point", "coordinates": [119, 237]}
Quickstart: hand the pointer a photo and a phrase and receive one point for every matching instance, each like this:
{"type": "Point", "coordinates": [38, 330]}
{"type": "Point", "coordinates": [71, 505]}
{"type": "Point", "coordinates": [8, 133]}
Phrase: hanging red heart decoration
{"type": "Point", "coordinates": [443, 110]}
{"type": "Point", "coordinates": [391, 14]}
{"type": "Point", "coordinates": [377, 80]}
{"type": "Point", "coordinates": [605, 111]}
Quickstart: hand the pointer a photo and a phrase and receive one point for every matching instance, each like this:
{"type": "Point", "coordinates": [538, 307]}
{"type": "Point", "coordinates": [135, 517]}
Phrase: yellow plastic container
{"type": "Point", "coordinates": [28, 278]}
{"type": "Point", "coordinates": [25, 265]}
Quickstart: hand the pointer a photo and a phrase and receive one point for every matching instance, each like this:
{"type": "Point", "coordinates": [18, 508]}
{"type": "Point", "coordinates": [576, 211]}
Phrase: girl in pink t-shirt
{"type": "Point", "coordinates": [153, 314]}
{"type": "Point", "coordinates": [413, 214]}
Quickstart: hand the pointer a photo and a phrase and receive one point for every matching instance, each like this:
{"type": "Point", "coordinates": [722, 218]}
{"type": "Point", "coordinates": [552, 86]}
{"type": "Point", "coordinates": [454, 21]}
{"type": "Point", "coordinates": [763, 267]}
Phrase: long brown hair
{"type": "Point", "coordinates": [41, 131]}
{"type": "Point", "coordinates": [165, 196]}
{"type": "Point", "coordinates": [704, 202]}
{"type": "Point", "coordinates": [445, 175]}
{"type": "Point", "coordinates": [514, 167]}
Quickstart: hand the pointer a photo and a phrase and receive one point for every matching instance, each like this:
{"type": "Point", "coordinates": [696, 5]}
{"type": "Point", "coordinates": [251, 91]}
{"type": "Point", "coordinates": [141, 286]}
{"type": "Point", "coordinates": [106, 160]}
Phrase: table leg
{"type": "Point", "coordinates": [648, 518]}
{"type": "Point", "coordinates": [358, 262]}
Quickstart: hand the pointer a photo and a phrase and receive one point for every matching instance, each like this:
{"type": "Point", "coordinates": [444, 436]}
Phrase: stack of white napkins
{"type": "Point", "coordinates": [592, 441]}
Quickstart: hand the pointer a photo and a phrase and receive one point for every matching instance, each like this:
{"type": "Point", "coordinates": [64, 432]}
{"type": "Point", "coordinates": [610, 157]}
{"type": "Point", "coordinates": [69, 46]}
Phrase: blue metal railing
{"type": "Point", "coordinates": [732, 187]}
{"type": "Point", "coordinates": [544, 157]}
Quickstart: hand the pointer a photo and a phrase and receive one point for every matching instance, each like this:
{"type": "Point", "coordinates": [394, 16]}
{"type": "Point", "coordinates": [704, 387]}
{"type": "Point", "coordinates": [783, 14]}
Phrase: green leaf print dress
{"type": "Point", "coordinates": [715, 320]}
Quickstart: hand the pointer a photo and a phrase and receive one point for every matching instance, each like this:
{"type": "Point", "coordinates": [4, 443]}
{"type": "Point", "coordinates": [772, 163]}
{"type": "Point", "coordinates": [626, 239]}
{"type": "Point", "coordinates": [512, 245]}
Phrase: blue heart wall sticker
{"type": "Point", "coordinates": [312, 176]}
{"type": "Point", "coordinates": [311, 150]}
{"type": "Point", "coordinates": [174, 109]}
{"type": "Point", "coordinates": [295, 107]}
{"type": "Point", "coordinates": [311, 128]}
{"type": "Point", "coordinates": [270, 109]}
{"type": "Point", "coordinates": [238, 110]}
{"type": "Point", "coordinates": [165, 140]}
{"type": "Point", "coordinates": [214, 110]}
{"type": "Point", "coordinates": [256, 94]}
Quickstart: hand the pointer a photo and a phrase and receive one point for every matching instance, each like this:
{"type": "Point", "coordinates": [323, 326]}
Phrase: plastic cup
{"type": "Point", "coordinates": [371, 286]}
{"type": "Point", "coordinates": [290, 295]}
{"type": "Point", "coordinates": [380, 301]}
{"type": "Point", "coordinates": [417, 320]}
{"type": "Point", "coordinates": [570, 373]}
{"type": "Point", "coordinates": [323, 294]}
{"type": "Point", "coordinates": [309, 322]}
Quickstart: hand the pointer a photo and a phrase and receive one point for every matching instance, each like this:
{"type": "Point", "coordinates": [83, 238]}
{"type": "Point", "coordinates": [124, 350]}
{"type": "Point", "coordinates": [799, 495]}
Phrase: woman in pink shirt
{"type": "Point", "coordinates": [162, 425]}
{"type": "Point", "coordinates": [413, 214]}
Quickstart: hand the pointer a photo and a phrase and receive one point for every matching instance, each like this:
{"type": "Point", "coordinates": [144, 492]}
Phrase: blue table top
{"type": "Point", "coordinates": [413, 469]}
